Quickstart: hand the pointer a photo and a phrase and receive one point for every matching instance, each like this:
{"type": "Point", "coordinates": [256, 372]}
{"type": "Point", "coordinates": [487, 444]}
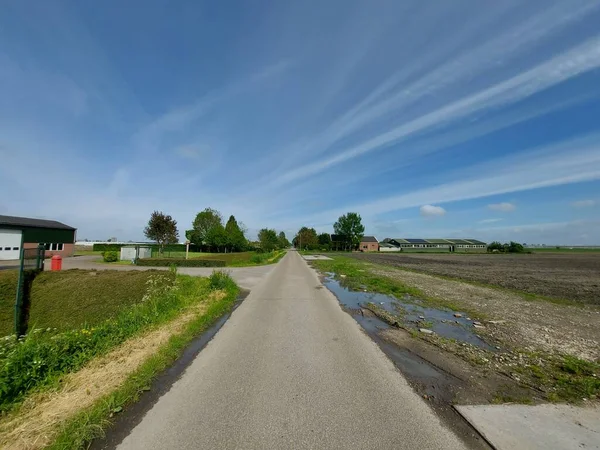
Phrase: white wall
{"type": "Point", "coordinates": [11, 240]}
{"type": "Point", "coordinates": [389, 249]}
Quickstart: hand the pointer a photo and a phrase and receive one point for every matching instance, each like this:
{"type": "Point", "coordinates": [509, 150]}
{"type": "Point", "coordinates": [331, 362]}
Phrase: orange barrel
{"type": "Point", "coordinates": [56, 262]}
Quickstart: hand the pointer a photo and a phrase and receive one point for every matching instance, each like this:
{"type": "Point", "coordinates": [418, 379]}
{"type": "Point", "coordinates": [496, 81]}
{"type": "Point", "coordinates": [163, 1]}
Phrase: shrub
{"type": "Point", "coordinates": [110, 256]}
{"type": "Point", "coordinates": [220, 279]}
{"type": "Point", "coordinates": [167, 262]}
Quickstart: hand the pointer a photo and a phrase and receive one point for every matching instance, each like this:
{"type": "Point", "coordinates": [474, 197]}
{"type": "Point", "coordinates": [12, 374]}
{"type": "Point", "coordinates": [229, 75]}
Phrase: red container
{"type": "Point", "coordinates": [56, 263]}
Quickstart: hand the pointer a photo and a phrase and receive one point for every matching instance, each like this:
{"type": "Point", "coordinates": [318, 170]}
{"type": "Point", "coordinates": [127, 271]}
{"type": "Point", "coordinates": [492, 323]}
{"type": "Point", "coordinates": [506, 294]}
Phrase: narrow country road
{"type": "Point", "coordinates": [291, 370]}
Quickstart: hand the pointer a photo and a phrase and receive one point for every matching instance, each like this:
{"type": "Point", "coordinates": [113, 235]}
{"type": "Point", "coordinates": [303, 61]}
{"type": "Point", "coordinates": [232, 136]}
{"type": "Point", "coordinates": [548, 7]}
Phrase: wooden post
{"type": "Point", "coordinates": [187, 249]}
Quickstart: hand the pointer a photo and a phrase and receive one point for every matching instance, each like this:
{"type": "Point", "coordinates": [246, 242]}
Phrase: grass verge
{"type": "Point", "coordinates": [557, 377]}
{"type": "Point", "coordinates": [40, 359]}
{"type": "Point", "coordinates": [72, 298]}
{"type": "Point", "coordinates": [359, 276]}
{"type": "Point", "coordinates": [90, 423]}
{"type": "Point", "coordinates": [75, 410]}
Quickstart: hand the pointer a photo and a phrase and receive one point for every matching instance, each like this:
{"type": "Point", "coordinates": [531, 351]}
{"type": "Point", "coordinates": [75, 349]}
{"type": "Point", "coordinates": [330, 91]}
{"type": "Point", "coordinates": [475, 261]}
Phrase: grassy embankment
{"type": "Point", "coordinates": [44, 362]}
{"type": "Point", "coordinates": [562, 377]}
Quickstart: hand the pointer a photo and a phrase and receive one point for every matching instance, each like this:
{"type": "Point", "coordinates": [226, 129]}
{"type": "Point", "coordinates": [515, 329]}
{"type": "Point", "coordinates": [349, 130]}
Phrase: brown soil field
{"type": "Point", "coordinates": [574, 277]}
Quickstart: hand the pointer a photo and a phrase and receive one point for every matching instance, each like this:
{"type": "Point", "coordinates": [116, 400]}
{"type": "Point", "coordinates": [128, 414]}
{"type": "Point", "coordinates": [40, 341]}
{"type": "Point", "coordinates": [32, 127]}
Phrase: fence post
{"type": "Point", "coordinates": [19, 299]}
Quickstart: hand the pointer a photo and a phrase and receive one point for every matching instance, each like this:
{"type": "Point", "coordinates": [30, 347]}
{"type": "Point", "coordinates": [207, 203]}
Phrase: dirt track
{"type": "Point", "coordinates": [565, 276]}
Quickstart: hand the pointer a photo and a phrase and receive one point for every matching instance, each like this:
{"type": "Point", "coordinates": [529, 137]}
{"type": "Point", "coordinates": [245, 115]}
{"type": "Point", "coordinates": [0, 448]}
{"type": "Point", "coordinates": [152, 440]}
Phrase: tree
{"type": "Point", "coordinates": [268, 239]}
{"type": "Point", "coordinates": [282, 240]}
{"type": "Point", "coordinates": [203, 223]}
{"type": "Point", "coordinates": [236, 241]}
{"type": "Point", "coordinates": [495, 246]}
{"type": "Point", "coordinates": [325, 240]}
{"type": "Point", "coordinates": [350, 226]}
{"type": "Point", "coordinates": [515, 247]}
{"type": "Point", "coordinates": [162, 229]}
{"type": "Point", "coordinates": [216, 238]}
{"type": "Point", "coordinates": [306, 238]}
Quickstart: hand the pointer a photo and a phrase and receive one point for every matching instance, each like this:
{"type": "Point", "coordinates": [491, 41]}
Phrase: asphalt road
{"type": "Point", "coordinates": [291, 370]}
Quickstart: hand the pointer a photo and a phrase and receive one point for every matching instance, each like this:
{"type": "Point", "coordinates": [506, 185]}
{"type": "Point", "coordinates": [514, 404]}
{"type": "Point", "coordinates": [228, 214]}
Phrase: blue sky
{"type": "Point", "coordinates": [430, 119]}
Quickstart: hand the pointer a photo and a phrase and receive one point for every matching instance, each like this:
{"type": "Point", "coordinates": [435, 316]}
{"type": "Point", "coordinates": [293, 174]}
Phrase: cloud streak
{"type": "Point", "coordinates": [502, 207]}
{"type": "Point", "coordinates": [578, 60]}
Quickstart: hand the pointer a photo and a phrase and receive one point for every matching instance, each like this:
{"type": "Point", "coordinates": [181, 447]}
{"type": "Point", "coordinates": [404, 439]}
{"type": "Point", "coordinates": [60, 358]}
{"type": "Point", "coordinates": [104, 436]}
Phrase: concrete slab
{"type": "Point", "coordinates": [542, 427]}
{"type": "Point", "coordinates": [316, 257]}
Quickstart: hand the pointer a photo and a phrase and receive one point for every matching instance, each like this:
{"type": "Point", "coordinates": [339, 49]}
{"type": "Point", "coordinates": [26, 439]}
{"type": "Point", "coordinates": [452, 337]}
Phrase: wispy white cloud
{"type": "Point", "coordinates": [580, 59]}
{"type": "Point", "coordinates": [583, 203]}
{"type": "Point", "coordinates": [568, 162]}
{"type": "Point", "coordinates": [502, 207]}
{"type": "Point", "coordinates": [432, 211]}
{"type": "Point", "coordinates": [484, 221]}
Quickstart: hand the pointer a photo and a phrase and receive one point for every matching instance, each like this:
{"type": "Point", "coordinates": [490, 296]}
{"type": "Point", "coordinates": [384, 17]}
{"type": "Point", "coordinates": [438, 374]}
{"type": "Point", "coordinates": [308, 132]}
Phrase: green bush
{"type": "Point", "coordinates": [258, 258]}
{"type": "Point", "coordinates": [110, 256]}
{"type": "Point", "coordinates": [220, 279]}
{"type": "Point", "coordinates": [107, 247]}
{"type": "Point", "coordinates": [166, 262]}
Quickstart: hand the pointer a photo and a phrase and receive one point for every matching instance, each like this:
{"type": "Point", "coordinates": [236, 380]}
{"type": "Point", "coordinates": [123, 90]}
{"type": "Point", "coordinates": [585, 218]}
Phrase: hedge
{"type": "Point", "coordinates": [107, 247]}
{"type": "Point", "coordinates": [166, 262]}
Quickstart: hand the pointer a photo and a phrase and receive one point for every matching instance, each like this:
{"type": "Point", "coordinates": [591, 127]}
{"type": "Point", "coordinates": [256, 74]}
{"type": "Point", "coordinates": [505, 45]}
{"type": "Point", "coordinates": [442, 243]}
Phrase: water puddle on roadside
{"type": "Point", "coordinates": [411, 313]}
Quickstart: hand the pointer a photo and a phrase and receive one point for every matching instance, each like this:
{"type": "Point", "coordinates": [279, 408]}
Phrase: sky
{"type": "Point", "coordinates": [463, 119]}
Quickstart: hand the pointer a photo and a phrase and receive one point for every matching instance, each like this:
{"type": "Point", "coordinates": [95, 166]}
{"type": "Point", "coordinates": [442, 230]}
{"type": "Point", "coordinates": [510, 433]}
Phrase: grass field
{"type": "Point", "coordinates": [240, 259]}
{"type": "Point", "coordinates": [73, 298]}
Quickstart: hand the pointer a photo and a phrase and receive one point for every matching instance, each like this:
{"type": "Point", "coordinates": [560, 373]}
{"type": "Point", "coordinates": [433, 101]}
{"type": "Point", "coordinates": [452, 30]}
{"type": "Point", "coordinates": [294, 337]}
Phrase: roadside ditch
{"type": "Point", "coordinates": [436, 349]}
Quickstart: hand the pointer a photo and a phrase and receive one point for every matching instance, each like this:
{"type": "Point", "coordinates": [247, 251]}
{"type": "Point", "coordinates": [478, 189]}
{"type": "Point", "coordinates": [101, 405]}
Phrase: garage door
{"type": "Point", "coordinates": [10, 244]}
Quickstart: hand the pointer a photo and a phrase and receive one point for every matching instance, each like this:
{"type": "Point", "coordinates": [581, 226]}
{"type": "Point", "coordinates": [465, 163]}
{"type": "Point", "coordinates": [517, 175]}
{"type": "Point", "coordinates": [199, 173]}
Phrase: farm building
{"type": "Point", "coordinates": [18, 233]}
{"type": "Point", "coordinates": [369, 244]}
{"type": "Point", "coordinates": [451, 245]}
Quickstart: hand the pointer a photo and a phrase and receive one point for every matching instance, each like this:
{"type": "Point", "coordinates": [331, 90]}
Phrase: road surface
{"type": "Point", "coordinates": [291, 370]}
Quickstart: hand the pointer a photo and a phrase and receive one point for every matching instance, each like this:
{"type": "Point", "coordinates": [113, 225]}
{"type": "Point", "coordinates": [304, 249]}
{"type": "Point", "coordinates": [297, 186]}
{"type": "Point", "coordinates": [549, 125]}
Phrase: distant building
{"type": "Point", "coordinates": [451, 245]}
{"type": "Point", "coordinates": [369, 244]}
{"type": "Point", "coordinates": [18, 233]}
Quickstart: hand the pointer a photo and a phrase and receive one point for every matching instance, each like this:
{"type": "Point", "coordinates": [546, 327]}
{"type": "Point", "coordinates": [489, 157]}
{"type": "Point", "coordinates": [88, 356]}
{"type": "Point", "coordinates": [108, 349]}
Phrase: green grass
{"type": "Point", "coordinates": [563, 377]}
{"type": "Point", "coordinates": [240, 259]}
{"type": "Point", "coordinates": [40, 359]}
{"type": "Point", "coordinates": [8, 293]}
{"type": "Point", "coordinates": [89, 424]}
{"type": "Point", "coordinates": [124, 262]}
{"type": "Point", "coordinates": [359, 276]}
{"type": "Point", "coordinates": [76, 298]}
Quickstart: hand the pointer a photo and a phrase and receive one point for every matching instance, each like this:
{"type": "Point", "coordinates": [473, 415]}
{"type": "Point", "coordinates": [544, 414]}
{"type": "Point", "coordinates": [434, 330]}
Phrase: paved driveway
{"type": "Point", "coordinates": [291, 370]}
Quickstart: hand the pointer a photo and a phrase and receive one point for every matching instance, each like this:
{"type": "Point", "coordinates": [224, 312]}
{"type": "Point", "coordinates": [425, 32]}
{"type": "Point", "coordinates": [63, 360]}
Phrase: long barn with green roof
{"type": "Point", "coordinates": [416, 244]}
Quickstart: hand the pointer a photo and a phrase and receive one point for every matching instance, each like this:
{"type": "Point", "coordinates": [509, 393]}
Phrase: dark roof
{"type": "Point", "coordinates": [416, 241]}
{"type": "Point", "coordinates": [32, 223]}
{"type": "Point", "coordinates": [369, 239]}
{"type": "Point", "coordinates": [475, 241]}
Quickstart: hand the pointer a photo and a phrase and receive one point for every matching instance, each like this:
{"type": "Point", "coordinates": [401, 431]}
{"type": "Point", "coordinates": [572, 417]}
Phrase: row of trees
{"type": "Point", "coordinates": [348, 232]}
{"type": "Point", "coordinates": [209, 233]}
{"type": "Point", "coordinates": [511, 247]}
{"type": "Point", "coordinates": [269, 240]}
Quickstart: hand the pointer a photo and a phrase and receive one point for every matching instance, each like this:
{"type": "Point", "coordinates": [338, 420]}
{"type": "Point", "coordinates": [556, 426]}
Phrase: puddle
{"type": "Point", "coordinates": [409, 311]}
